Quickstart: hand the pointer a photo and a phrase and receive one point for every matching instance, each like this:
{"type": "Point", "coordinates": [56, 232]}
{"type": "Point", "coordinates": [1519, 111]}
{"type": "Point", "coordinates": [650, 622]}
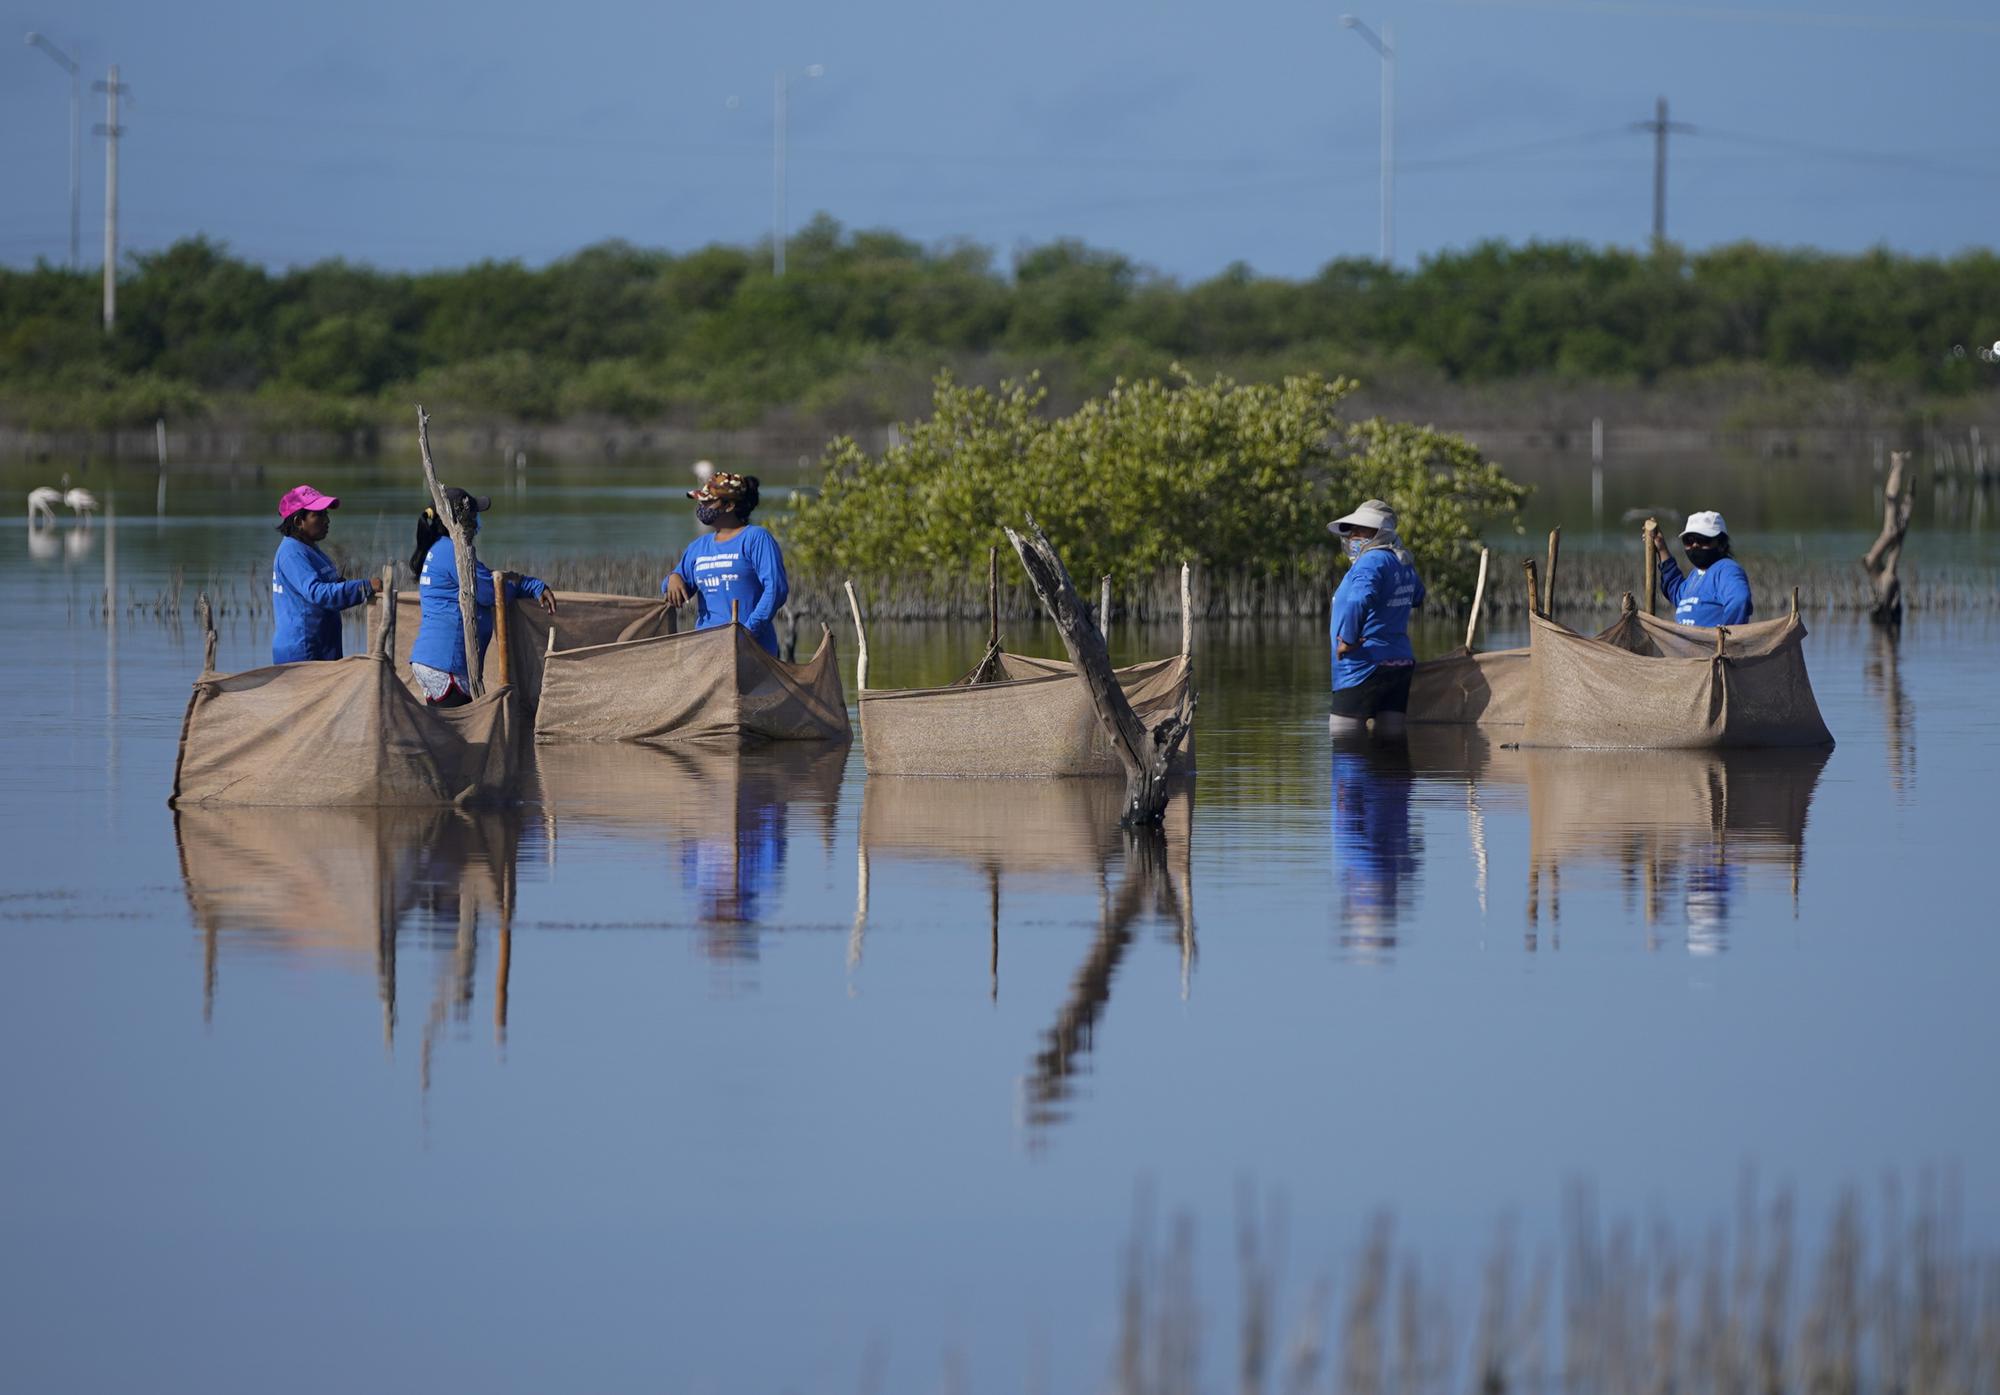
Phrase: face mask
{"type": "Point", "coordinates": [707, 515]}
{"type": "Point", "coordinates": [1353, 546]}
{"type": "Point", "coordinates": [1702, 558]}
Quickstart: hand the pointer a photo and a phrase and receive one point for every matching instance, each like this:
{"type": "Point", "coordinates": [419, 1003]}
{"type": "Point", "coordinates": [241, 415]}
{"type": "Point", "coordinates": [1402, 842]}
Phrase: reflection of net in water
{"type": "Point", "coordinates": [350, 882]}
{"type": "Point", "coordinates": [725, 814]}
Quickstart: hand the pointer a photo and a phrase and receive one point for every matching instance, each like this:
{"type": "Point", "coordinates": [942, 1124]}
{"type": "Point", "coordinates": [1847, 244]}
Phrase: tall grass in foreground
{"type": "Point", "coordinates": [1897, 1302]}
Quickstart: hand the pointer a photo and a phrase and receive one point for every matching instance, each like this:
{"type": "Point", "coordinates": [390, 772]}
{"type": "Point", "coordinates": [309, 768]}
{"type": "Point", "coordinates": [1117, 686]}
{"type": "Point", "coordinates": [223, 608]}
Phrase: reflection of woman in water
{"type": "Point", "coordinates": [1375, 847]}
{"type": "Point", "coordinates": [730, 877]}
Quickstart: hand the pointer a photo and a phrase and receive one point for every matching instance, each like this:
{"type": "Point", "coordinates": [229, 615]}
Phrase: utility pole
{"type": "Point", "coordinates": [110, 130]}
{"type": "Point", "coordinates": [1384, 45]}
{"type": "Point", "coordinates": [1660, 126]}
{"type": "Point", "coordinates": [75, 71]}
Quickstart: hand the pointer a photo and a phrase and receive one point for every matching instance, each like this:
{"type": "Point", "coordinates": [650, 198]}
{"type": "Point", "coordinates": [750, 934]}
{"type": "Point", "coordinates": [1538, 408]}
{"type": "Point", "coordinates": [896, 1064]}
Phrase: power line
{"type": "Point", "coordinates": [1919, 24]}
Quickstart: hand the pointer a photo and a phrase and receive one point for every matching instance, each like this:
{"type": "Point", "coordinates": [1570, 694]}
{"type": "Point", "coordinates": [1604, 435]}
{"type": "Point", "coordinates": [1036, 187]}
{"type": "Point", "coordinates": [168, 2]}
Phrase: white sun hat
{"type": "Point", "coordinates": [1372, 514]}
{"type": "Point", "coordinates": [1707, 525]}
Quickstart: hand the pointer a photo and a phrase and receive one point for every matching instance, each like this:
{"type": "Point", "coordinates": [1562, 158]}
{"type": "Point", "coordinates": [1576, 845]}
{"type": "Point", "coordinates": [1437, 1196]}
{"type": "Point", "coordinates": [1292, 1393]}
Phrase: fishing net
{"type": "Point", "coordinates": [1647, 682]}
{"type": "Point", "coordinates": [1489, 689]}
{"type": "Point", "coordinates": [1038, 720]}
{"type": "Point", "coordinates": [704, 685]}
{"type": "Point", "coordinates": [344, 732]}
{"type": "Point", "coordinates": [582, 620]}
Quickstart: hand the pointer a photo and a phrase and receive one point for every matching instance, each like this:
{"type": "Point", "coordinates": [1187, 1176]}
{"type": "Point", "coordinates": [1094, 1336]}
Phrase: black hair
{"type": "Point", "coordinates": [748, 502]}
{"type": "Point", "coordinates": [290, 524]}
{"type": "Point", "coordinates": [429, 529]}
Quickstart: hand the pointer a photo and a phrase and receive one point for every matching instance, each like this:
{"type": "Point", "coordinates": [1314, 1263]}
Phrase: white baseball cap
{"type": "Point", "coordinates": [1707, 525]}
{"type": "Point", "coordinates": [1372, 514]}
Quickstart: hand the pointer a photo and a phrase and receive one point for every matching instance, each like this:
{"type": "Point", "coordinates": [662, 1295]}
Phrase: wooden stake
{"type": "Point", "coordinates": [1549, 581]}
{"type": "Point", "coordinates": [1880, 561]}
{"type": "Point", "coordinates": [735, 612]}
{"type": "Point", "coordinates": [860, 642]}
{"type": "Point", "coordinates": [1721, 636]}
{"type": "Point", "coordinates": [463, 557]}
{"type": "Point", "coordinates": [1649, 567]}
{"type": "Point", "coordinates": [207, 617]}
{"type": "Point", "coordinates": [385, 631]}
{"type": "Point", "coordinates": [1534, 586]}
{"type": "Point", "coordinates": [1478, 597]}
{"type": "Point", "coordinates": [1146, 755]}
{"type": "Point", "coordinates": [992, 597]}
{"type": "Point", "coordinates": [1795, 603]}
{"type": "Point", "coordinates": [505, 666]}
{"type": "Point", "coordinates": [1187, 614]}
{"type": "Point", "coordinates": [1104, 605]}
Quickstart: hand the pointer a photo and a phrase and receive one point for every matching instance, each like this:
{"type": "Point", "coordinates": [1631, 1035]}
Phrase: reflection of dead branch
{"type": "Point", "coordinates": [1898, 725]}
{"type": "Point", "coordinates": [1146, 879]}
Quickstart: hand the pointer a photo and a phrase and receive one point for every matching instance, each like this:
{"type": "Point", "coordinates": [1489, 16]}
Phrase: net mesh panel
{"type": "Point", "coordinates": [1038, 721]}
{"type": "Point", "coordinates": [582, 619]}
{"type": "Point", "coordinates": [706, 685]}
{"type": "Point", "coordinates": [340, 733]}
{"type": "Point", "coordinates": [1488, 689]}
{"type": "Point", "coordinates": [1647, 682]}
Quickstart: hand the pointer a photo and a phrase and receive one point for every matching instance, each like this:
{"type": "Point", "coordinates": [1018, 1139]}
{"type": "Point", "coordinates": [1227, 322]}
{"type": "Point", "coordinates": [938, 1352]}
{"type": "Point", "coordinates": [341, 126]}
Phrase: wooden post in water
{"type": "Point", "coordinates": [992, 597]}
{"type": "Point", "coordinates": [860, 641]}
{"type": "Point", "coordinates": [1649, 585]}
{"type": "Point", "coordinates": [1478, 598]}
{"type": "Point", "coordinates": [1549, 581]}
{"type": "Point", "coordinates": [1881, 559]}
{"type": "Point", "coordinates": [206, 615]}
{"type": "Point", "coordinates": [1104, 605]}
{"type": "Point", "coordinates": [1146, 755]}
{"type": "Point", "coordinates": [385, 627]}
{"type": "Point", "coordinates": [1187, 614]}
{"type": "Point", "coordinates": [735, 612]}
{"type": "Point", "coordinates": [463, 558]}
{"type": "Point", "coordinates": [1534, 586]}
{"type": "Point", "coordinates": [1795, 603]}
{"type": "Point", "coordinates": [1721, 638]}
{"type": "Point", "coordinates": [501, 624]}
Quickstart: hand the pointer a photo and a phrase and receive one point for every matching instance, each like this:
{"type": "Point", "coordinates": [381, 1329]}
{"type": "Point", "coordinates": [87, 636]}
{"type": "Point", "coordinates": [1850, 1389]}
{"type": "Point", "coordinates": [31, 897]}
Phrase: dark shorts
{"type": "Point", "coordinates": [1387, 689]}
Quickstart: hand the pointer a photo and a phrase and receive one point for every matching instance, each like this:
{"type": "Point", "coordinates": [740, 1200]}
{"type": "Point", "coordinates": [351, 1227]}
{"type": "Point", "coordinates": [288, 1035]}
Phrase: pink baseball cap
{"type": "Point", "coordinates": [305, 497]}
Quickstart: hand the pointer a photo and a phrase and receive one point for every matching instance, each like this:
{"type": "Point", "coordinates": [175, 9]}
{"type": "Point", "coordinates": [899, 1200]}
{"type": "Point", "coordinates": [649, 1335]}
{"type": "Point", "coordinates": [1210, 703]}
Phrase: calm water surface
{"type": "Point", "coordinates": [701, 1072]}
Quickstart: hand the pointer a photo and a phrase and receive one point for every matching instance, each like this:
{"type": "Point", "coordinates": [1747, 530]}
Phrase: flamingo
{"type": "Point", "coordinates": [81, 501]}
{"type": "Point", "coordinates": [42, 505]}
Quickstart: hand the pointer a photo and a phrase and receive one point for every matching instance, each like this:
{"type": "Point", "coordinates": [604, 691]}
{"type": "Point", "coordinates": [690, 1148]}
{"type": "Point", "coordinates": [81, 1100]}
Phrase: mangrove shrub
{"type": "Point", "coordinates": [1238, 478]}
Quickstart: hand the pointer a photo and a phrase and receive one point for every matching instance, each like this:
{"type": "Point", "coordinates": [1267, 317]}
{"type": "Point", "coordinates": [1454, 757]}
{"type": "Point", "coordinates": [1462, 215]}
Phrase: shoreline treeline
{"type": "Point", "coordinates": [863, 321]}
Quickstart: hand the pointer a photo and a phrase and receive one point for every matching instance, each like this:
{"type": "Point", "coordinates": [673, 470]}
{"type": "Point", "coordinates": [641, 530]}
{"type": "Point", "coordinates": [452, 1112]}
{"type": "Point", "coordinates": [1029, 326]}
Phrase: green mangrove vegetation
{"type": "Point", "coordinates": [856, 330]}
{"type": "Point", "coordinates": [1236, 478]}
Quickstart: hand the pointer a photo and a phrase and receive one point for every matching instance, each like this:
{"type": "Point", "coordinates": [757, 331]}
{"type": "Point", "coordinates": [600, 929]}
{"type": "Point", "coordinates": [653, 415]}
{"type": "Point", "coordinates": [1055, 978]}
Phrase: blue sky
{"type": "Point", "coordinates": [419, 133]}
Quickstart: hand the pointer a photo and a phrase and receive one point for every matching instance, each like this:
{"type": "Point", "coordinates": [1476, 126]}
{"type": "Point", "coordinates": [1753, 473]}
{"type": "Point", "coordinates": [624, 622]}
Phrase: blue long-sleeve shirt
{"type": "Point", "coordinates": [748, 569]}
{"type": "Point", "coordinates": [1371, 611]}
{"type": "Point", "coordinates": [307, 596]}
{"type": "Point", "coordinates": [1717, 595]}
{"type": "Point", "coordinates": [440, 640]}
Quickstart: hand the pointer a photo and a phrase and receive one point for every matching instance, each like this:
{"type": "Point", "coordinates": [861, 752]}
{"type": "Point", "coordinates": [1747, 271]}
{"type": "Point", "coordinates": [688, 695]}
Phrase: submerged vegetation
{"type": "Point", "coordinates": [1894, 1304]}
{"type": "Point", "coordinates": [861, 322]}
{"type": "Point", "coordinates": [1238, 479]}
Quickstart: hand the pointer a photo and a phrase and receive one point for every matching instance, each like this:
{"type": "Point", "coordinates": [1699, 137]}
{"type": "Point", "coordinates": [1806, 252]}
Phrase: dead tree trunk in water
{"type": "Point", "coordinates": [1898, 498]}
{"type": "Point", "coordinates": [1146, 755]}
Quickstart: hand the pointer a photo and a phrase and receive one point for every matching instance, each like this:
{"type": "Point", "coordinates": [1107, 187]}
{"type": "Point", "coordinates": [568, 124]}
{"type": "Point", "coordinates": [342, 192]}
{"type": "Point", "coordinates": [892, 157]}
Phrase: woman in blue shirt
{"type": "Point", "coordinates": [437, 659]}
{"type": "Point", "coordinates": [307, 590]}
{"type": "Point", "coordinates": [1716, 591]}
{"type": "Point", "coordinates": [1372, 658]}
{"type": "Point", "coordinates": [738, 561]}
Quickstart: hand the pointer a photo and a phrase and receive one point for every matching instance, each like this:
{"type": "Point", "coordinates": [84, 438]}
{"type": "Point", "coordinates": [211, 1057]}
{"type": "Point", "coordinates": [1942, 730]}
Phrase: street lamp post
{"type": "Point", "coordinates": [75, 71]}
{"type": "Point", "coordinates": [780, 93]}
{"type": "Point", "coordinates": [1385, 46]}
